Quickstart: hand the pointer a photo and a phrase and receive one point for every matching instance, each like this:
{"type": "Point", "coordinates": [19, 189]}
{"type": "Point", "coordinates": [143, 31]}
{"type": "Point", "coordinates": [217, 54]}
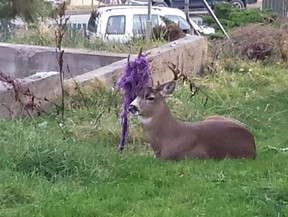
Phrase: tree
{"type": "Point", "coordinates": [29, 10]}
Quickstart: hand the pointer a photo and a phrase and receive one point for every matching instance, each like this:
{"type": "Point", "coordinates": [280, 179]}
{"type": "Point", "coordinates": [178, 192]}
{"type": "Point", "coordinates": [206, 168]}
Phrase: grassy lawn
{"type": "Point", "coordinates": [77, 171]}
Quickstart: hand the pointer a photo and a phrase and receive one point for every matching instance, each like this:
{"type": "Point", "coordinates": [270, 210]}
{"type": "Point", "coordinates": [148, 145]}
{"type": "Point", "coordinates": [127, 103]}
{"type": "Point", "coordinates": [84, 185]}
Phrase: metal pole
{"type": "Point", "coordinates": [149, 21]}
{"type": "Point", "coordinates": [188, 18]}
{"type": "Point", "coordinates": [215, 18]}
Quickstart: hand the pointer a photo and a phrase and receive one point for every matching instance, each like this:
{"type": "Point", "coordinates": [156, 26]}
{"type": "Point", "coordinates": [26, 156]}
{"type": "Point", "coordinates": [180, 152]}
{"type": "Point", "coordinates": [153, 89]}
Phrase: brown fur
{"type": "Point", "coordinates": [216, 137]}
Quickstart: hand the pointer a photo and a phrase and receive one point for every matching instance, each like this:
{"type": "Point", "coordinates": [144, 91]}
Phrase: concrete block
{"type": "Point", "coordinates": [192, 51]}
{"type": "Point", "coordinates": [41, 84]}
{"type": "Point", "coordinates": [21, 61]}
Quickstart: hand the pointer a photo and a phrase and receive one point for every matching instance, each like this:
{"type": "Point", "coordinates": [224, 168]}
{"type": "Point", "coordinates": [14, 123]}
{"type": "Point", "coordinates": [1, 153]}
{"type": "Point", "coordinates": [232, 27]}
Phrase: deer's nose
{"type": "Point", "coordinates": [133, 109]}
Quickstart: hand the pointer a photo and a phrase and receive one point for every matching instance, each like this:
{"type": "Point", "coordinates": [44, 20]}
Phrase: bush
{"type": "Point", "coordinates": [266, 43]}
{"type": "Point", "coordinates": [232, 17]}
{"type": "Point", "coordinates": [171, 32]}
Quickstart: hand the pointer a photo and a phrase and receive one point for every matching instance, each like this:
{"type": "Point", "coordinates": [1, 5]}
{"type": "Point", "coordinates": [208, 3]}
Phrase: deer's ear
{"type": "Point", "coordinates": [167, 88]}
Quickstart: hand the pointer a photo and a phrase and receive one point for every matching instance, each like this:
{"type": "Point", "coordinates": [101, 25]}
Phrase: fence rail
{"type": "Point", "coordinates": [279, 6]}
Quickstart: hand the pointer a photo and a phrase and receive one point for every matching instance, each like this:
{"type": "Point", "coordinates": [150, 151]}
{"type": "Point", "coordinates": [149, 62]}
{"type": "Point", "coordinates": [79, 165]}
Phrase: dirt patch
{"type": "Point", "coordinates": [258, 42]}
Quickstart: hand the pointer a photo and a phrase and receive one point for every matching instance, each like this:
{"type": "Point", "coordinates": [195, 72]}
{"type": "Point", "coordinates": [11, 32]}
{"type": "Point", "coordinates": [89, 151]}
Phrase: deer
{"type": "Point", "coordinates": [216, 137]}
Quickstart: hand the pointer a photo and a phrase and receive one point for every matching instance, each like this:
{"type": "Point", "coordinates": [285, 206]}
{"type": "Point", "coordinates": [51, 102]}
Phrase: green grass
{"type": "Point", "coordinates": [78, 172]}
{"type": "Point", "coordinates": [44, 36]}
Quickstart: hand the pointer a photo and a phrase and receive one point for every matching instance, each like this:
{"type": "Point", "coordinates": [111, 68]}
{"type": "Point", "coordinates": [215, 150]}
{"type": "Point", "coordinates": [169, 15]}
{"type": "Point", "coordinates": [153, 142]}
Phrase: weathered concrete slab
{"type": "Point", "coordinates": [24, 60]}
{"type": "Point", "coordinates": [191, 51]}
{"type": "Point", "coordinates": [42, 85]}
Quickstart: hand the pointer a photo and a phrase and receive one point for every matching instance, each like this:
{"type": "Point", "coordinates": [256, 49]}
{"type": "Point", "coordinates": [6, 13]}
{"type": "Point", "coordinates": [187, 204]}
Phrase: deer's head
{"type": "Point", "coordinates": [150, 100]}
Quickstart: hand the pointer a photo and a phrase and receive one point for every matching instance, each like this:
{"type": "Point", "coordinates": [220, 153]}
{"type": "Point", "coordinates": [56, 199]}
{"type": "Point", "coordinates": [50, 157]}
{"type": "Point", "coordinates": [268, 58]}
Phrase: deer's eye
{"type": "Point", "coordinates": [150, 98]}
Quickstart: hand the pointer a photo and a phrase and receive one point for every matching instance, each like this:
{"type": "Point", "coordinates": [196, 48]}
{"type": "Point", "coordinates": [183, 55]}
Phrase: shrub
{"type": "Point", "coordinates": [232, 17]}
{"type": "Point", "coordinates": [257, 42]}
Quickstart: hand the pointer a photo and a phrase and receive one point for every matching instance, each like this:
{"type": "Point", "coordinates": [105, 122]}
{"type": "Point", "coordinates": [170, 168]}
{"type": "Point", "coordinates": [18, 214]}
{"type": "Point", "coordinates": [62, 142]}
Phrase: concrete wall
{"type": "Point", "coordinates": [42, 85]}
{"type": "Point", "coordinates": [24, 60]}
{"type": "Point", "coordinates": [191, 51]}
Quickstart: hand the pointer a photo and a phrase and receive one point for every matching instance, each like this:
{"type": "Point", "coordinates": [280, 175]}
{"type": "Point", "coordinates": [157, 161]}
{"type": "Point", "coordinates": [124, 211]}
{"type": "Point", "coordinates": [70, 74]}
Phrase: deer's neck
{"type": "Point", "coordinates": [162, 125]}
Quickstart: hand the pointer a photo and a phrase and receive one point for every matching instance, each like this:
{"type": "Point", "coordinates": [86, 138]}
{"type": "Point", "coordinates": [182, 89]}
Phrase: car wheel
{"type": "Point", "coordinates": [160, 4]}
{"type": "Point", "coordinates": [237, 3]}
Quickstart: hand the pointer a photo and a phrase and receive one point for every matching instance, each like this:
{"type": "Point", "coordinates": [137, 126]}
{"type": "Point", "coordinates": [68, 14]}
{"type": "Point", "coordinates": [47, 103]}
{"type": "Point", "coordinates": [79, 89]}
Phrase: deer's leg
{"type": "Point", "coordinates": [198, 152]}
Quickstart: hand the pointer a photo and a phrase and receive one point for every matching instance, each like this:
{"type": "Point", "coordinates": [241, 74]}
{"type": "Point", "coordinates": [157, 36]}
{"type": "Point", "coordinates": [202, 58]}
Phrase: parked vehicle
{"type": "Point", "coordinates": [120, 23]}
{"type": "Point", "coordinates": [194, 4]}
{"type": "Point", "coordinates": [238, 3]}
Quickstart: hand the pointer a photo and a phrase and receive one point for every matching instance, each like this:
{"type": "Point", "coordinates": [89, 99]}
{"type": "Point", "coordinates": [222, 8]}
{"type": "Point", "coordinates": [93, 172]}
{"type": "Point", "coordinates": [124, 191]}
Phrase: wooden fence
{"type": "Point", "coordinates": [279, 6]}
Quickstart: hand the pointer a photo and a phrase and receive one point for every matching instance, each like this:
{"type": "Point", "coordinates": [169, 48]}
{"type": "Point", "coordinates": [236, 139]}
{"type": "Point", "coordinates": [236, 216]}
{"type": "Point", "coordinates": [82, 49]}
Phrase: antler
{"type": "Point", "coordinates": [176, 71]}
{"type": "Point", "coordinates": [180, 74]}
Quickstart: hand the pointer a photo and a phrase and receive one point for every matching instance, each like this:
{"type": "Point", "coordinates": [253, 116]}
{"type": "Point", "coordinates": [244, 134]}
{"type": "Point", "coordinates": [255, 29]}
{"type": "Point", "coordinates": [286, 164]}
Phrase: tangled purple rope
{"type": "Point", "coordinates": [134, 77]}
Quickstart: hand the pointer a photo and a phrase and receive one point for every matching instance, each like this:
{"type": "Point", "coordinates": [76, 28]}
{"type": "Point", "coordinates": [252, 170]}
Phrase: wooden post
{"type": "Point", "coordinates": [279, 6]}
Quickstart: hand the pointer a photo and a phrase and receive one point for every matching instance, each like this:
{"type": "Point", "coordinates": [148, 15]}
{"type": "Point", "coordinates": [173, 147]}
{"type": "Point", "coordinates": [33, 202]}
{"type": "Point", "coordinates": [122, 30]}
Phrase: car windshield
{"type": "Point", "coordinates": [179, 20]}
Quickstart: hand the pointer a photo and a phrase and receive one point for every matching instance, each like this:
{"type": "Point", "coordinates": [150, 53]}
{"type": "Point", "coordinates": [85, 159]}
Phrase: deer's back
{"type": "Point", "coordinates": [216, 139]}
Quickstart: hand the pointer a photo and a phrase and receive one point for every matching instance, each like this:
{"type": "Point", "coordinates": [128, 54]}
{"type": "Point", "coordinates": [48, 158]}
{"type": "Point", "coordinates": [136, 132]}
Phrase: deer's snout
{"type": "Point", "coordinates": [133, 109]}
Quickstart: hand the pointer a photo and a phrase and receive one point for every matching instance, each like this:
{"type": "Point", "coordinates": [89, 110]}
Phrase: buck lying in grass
{"type": "Point", "coordinates": [216, 137]}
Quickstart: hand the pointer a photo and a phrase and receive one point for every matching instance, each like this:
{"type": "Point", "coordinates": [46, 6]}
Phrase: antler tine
{"type": "Point", "coordinates": [174, 69]}
{"type": "Point", "coordinates": [177, 73]}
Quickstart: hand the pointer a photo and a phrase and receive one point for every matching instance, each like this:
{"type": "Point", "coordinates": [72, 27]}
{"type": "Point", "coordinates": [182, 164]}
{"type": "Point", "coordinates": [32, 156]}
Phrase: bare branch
{"type": "Point", "coordinates": [77, 87]}
{"type": "Point", "coordinates": [59, 34]}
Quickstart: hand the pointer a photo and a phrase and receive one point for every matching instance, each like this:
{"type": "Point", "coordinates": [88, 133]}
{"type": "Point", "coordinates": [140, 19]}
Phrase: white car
{"type": "Point", "coordinates": [119, 23]}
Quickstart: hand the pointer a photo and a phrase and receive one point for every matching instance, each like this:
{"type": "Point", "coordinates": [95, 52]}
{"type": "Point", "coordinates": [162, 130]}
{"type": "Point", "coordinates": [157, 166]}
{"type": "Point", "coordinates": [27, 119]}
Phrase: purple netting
{"type": "Point", "coordinates": [135, 76]}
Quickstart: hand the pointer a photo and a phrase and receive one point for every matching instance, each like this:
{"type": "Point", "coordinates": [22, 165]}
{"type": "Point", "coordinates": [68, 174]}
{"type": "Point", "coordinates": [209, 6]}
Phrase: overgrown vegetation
{"type": "Point", "coordinates": [232, 17]}
{"type": "Point", "coordinates": [83, 174]}
{"type": "Point", "coordinates": [44, 36]}
{"type": "Point", "coordinates": [254, 35]}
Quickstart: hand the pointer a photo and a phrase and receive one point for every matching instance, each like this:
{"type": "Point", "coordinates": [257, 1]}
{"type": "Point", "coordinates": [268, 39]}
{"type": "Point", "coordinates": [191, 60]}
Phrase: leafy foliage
{"type": "Point", "coordinates": [29, 10]}
{"type": "Point", "coordinates": [232, 17]}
